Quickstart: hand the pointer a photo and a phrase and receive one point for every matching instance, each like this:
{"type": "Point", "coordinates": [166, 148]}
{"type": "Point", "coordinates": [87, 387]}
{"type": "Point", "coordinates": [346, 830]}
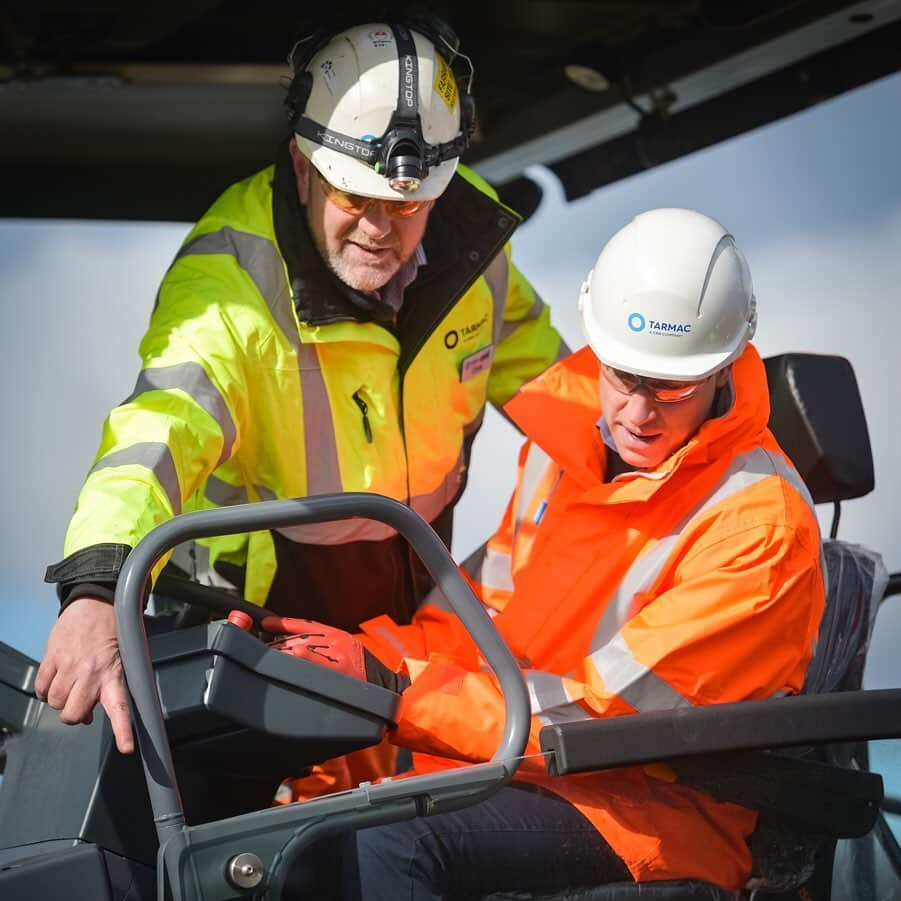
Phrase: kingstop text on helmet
{"type": "Point", "coordinates": [378, 109]}
{"type": "Point", "coordinates": [670, 297]}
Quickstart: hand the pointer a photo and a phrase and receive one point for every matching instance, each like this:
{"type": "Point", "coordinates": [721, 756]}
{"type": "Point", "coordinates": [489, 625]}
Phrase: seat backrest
{"type": "Point", "coordinates": [817, 416]}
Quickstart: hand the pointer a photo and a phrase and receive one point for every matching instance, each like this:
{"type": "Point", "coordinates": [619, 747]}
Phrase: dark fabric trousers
{"type": "Point", "coordinates": [522, 838]}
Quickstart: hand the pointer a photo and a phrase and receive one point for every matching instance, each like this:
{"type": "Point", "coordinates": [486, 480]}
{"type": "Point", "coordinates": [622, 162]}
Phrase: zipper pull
{"type": "Point", "coordinates": [367, 428]}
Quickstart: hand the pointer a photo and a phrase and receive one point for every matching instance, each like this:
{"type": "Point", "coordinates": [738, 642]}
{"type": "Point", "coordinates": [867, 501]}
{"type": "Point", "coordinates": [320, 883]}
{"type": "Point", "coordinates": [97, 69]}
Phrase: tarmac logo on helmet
{"type": "Point", "coordinates": [637, 322]}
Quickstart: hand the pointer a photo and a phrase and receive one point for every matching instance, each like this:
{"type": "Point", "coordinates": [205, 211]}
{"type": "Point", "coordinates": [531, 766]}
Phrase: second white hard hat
{"type": "Point", "coordinates": [670, 297]}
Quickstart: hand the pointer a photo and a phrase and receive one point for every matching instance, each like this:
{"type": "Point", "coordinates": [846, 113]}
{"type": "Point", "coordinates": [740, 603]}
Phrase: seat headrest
{"type": "Point", "coordinates": [817, 417]}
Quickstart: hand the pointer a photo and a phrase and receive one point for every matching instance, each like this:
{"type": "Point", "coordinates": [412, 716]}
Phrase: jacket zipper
{"type": "Point", "coordinates": [364, 409]}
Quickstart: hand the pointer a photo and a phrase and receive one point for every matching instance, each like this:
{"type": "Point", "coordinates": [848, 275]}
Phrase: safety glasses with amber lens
{"type": "Point", "coordinates": [663, 391]}
{"type": "Point", "coordinates": [357, 205]}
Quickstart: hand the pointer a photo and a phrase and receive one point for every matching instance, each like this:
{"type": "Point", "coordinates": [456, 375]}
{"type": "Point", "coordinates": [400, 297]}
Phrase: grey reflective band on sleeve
{"type": "Point", "coordinates": [537, 463]}
{"type": "Point", "coordinates": [535, 312]}
{"type": "Point", "coordinates": [550, 701]}
{"type": "Point", "coordinates": [192, 379]}
{"type": "Point", "coordinates": [224, 494]}
{"type": "Point", "coordinates": [546, 691]}
{"type": "Point", "coordinates": [569, 713]}
{"type": "Point", "coordinates": [260, 259]}
{"type": "Point", "coordinates": [152, 455]}
{"type": "Point", "coordinates": [497, 277]}
{"type": "Point", "coordinates": [496, 571]}
{"type": "Point", "coordinates": [635, 683]}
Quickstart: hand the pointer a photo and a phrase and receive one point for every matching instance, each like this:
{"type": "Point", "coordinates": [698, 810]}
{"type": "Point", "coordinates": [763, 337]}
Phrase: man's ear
{"type": "Point", "coordinates": [301, 172]}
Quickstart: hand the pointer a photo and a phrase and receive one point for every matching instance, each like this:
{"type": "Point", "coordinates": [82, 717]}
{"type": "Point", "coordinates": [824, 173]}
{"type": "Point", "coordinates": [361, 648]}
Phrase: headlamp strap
{"type": "Point", "coordinates": [408, 77]}
{"type": "Point", "coordinates": [365, 151]}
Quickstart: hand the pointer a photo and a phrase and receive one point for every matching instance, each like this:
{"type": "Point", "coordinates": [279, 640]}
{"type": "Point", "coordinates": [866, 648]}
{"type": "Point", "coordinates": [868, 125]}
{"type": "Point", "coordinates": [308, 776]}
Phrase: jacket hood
{"type": "Point", "coordinates": [559, 411]}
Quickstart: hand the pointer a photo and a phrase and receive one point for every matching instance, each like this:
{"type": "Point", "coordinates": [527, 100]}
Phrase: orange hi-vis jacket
{"type": "Point", "coordinates": [696, 583]}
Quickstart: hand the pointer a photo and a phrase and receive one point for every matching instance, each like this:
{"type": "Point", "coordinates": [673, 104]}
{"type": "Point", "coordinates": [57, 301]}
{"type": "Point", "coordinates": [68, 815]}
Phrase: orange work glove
{"type": "Point", "coordinates": [318, 643]}
{"type": "Point", "coordinates": [331, 647]}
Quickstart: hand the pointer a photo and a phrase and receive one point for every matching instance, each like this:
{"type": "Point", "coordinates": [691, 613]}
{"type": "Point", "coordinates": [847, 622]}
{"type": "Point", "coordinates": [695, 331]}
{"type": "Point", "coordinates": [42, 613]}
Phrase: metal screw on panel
{"type": "Point", "coordinates": [245, 871]}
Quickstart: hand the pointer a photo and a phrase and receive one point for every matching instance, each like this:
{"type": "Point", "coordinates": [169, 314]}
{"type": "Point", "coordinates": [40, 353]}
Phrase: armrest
{"type": "Point", "coordinates": [719, 750]}
{"type": "Point", "coordinates": [748, 725]}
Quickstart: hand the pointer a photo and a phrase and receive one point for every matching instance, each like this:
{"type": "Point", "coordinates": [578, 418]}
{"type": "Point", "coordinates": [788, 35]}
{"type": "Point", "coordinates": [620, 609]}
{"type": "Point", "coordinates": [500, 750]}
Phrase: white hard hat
{"type": "Point", "coordinates": [670, 297]}
{"type": "Point", "coordinates": [383, 103]}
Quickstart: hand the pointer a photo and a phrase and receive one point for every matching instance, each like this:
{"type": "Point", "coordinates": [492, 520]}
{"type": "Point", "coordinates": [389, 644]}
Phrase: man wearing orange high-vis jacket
{"type": "Point", "coordinates": [659, 552]}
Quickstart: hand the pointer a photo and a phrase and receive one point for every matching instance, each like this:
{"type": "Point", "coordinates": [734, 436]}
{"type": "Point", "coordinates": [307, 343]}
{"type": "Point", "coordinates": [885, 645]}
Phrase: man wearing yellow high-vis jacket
{"type": "Point", "coordinates": [335, 322]}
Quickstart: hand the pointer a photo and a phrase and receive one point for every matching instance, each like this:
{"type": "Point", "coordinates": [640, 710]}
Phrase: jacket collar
{"type": "Point", "coordinates": [559, 411]}
{"type": "Point", "coordinates": [466, 229]}
{"type": "Point", "coordinates": [320, 297]}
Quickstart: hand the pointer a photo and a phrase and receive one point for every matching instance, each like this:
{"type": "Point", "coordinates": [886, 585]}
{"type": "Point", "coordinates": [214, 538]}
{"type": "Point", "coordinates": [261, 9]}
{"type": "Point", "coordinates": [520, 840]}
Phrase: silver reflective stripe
{"type": "Point", "coordinates": [743, 472]}
{"type": "Point", "coordinates": [571, 713]}
{"type": "Point", "coordinates": [323, 472]}
{"type": "Point", "coordinates": [324, 533]}
{"type": "Point", "coordinates": [497, 571]}
{"type": "Point", "coordinates": [639, 686]}
{"type": "Point", "coordinates": [534, 312]}
{"type": "Point", "coordinates": [430, 505]}
{"type": "Point", "coordinates": [546, 691]}
{"type": "Point", "coordinates": [497, 275]}
{"type": "Point", "coordinates": [260, 259]}
{"type": "Point", "coordinates": [153, 455]}
{"type": "Point", "coordinates": [476, 567]}
{"type": "Point", "coordinates": [191, 378]}
{"type": "Point", "coordinates": [550, 701]}
{"type": "Point", "coordinates": [563, 351]}
{"type": "Point", "coordinates": [343, 532]}
{"type": "Point", "coordinates": [224, 494]}
{"type": "Point", "coordinates": [537, 462]}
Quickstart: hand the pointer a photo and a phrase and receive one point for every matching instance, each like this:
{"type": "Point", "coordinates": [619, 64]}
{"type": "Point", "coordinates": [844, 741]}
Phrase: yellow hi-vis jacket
{"type": "Point", "coordinates": [263, 376]}
{"type": "Point", "coordinates": [698, 582]}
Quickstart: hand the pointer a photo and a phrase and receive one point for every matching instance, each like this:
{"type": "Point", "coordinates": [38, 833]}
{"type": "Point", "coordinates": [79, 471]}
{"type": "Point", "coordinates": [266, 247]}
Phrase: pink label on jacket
{"type": "Point", "coordinates": [476, 362]}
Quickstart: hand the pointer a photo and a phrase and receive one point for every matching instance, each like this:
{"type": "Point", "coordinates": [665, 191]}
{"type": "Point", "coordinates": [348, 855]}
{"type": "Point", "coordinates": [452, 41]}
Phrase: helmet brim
{"type": "Point", "coordinates": [689, 368]}
{"type": "Point", "coordinates": [351, 175]}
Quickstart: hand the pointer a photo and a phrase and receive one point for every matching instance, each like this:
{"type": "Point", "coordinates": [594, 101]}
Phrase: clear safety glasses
{"type": "Point", "coordinates": [357, 205]}
{"type": "Point", "coordinates": [663, 391]}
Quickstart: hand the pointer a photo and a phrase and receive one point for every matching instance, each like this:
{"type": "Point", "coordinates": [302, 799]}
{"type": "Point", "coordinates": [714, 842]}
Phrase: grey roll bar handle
{"type": "Point", "coordinates": [134, 578]}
